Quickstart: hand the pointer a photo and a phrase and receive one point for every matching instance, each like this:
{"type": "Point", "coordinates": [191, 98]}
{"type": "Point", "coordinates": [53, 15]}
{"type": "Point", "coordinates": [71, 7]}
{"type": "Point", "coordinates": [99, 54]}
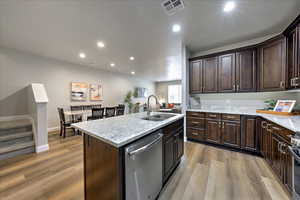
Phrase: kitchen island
{"type": "Point", "coordinates": [105, 141]}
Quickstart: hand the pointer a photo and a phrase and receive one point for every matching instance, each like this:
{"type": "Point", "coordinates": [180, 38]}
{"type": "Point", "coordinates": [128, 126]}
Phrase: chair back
{"type": "Point", "coordinates": [120, 110]}
{"type": "Point", "coordinates": [76, 108]}
{"type": "Point", "coordinates": [97, 113]}
{"type": "Point", "coordinates": [96, 106]}
{"type": "Point", "coordinates": [61, 115]}
{"type": "Point", "coordinates": [110, 111]}
{"type": "Point", "coordinates": [87, 107]}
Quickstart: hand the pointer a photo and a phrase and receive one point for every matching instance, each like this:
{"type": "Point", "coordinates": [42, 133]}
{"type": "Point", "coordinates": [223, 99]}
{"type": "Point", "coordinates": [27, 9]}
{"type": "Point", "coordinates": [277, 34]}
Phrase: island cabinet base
{"type": "Point", "coordinates": [103, 170]}
{"type": "Point", "coordinates": [104, 164]}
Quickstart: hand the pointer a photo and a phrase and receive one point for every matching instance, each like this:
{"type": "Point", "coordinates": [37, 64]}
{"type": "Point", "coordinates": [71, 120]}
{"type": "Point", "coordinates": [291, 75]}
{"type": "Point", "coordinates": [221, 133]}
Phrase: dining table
{"type": "Point", "coordinates": [84, 114]}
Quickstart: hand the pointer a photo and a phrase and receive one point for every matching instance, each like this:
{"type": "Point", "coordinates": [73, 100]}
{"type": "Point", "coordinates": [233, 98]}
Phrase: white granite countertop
{"type": "Point", "coordinates": [289, 122]}
{"type": "Point", "coordinates": [121, 130]}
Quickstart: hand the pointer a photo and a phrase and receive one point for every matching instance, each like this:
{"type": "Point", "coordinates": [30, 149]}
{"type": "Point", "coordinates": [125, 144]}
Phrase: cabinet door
{"type": "Point", "coordinates": [226, 73]}
{"type": "Point", "coordinates": [249, 138]}
{"type": "Point", "coordinates": [210, 75]}
{"type": "Point", "coordinates": [288, 168]}
{"type": "Point", "coordinates": [246, 71]}
{"type": "Point", "coordinates": [213, 131]}
{"type": "Point", "coordinates": [264, 143]}
{"type": "Point", "coordinates": [168, 155]}
{"type": "Point", "coordinates": [179, 145]}
{"type": "Point", "coordinates": [196, 76]}
{"type": "Point", "coordinates": [231, 134]}
{"type": "Point", "coordinates": [276, 156]}
{"type": "Point", "coordinates": [293, 59]}
{"type": "Point", "coordinates": [273, 65]}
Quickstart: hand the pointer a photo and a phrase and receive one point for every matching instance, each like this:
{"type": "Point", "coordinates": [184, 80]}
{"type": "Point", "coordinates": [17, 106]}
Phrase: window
{"type": "Point", "coordinates": [174, 94]}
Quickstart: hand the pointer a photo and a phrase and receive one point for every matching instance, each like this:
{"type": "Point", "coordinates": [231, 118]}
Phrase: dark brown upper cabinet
{"type": "Point", "coordinates": [226, 73]}
{"type": "Point", "coordinates": [210, 75]}
{"type": "Point", "coordinates": [293, 56]}
{"type": "Point", "coordinates": [246, 71]}
{"type": "Point", "coordinates": [196, 77]}
{"type": "Point", "coordinates": [273, 65]}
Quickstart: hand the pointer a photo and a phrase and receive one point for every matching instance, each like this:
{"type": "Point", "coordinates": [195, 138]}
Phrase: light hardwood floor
{"type": "Point", "coordinates": [205, 172]}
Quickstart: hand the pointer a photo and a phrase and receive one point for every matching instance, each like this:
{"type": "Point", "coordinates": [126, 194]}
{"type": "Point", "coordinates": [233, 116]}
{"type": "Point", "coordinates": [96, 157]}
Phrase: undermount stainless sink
{"type": "Point", "coordinates": [158, 117]}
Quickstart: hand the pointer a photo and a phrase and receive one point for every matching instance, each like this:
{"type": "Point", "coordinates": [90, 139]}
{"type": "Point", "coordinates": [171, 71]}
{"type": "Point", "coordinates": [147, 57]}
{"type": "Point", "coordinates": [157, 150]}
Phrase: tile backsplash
{"type": "Point", "coordinates": [239, 100]}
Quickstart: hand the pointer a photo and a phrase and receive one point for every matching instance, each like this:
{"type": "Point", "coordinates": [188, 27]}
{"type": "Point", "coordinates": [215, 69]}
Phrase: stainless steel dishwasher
{"type": "Point", "coordinates": [143, 168]}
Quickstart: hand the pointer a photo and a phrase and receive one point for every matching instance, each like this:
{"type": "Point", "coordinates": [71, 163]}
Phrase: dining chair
{"type": "Point", "coordinates": [110, 111]}
{"type": "Point", "coordinates": [97, 113]}
{"type": "Point", "coordinates": [120, 110]}
{"type": "Point", "coordinates": [63, 123]}
{"type": "Point", "coordinates": [77, 118]}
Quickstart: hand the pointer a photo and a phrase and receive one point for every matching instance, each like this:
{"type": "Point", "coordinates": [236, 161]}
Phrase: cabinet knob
{"type": "Point", "coordinates": [193, 133]}
{"type": "Point", "coordinates": [282, 84]}
{"type": "Point", "coordinates": [264, 124]}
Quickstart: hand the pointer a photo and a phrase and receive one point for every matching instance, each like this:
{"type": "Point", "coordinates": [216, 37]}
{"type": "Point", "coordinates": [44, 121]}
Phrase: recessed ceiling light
{"type": "Point", "coordinates": [82, 55]}
{"type": "Point", "coordinates": [112, 64]}
{"type": "Point", "coordinates": [229, 6]}
{"type": "Point", "coordinates": [131, 58]}
{"type": "Point", "coordinates": [176, 28]}
{"type": "Point", "coordinates": [100, 44]}
{"type": "Point", "coordinates": [133, 72]}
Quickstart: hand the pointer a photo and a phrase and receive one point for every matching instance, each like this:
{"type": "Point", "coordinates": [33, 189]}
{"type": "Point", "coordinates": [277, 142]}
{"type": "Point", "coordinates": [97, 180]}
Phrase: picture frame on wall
{"type": "Point", "coordinates": [284, 105]}
{"type": "Point", "coordinates": [96, 92]}
{"type": "Point", "coordinates": [79, 91]}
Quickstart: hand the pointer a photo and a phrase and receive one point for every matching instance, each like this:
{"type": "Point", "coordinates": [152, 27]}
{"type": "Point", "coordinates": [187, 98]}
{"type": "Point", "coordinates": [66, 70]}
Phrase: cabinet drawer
{"type": "Point", "coordinates": [195, 114]}
{"type": "Point", "coordinates": [284, 133]}
{"type": "Point", "coordinates": [196, 134]}
{"type": "Point", "coordinates": [231, 117]}
{"type": "Point", "coordinates": [173, 128]}
{"type": "Point", "coordinates": [196, 123]}
{"type": "Point", "coordinates": [213, 116]}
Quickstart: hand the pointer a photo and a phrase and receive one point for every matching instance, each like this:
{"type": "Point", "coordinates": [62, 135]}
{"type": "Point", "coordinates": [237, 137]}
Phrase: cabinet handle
{"type": "Point", "coordinates": [237, 87]}
{"type": "Point", "coordinates": [264, 124]}
{"type": "Point", "coordinates": [220, 125]}
{"type": "Point", "coordinates": [223, 125]}
{"type": "Point", "coordinates": [193, 133]}
{"type": "Point", "coordinates": [212, 115]}
{"type": "Point", "coordinates": [195, 122]}
{"type": "Point", "coordinates": [269, 129]}
{"type": "Point", "coordinates": [276, 128]}
{"type": "Point", "coordinates": [282, 150]}
{"type": "Point", "coordinates": [293, 82]}
{"type": "Point", "coordinates": [234, 87]}
{"type": "Point", "coordinates": [282, 84]}
{"type": "Point", "coordinates": [296, 81]}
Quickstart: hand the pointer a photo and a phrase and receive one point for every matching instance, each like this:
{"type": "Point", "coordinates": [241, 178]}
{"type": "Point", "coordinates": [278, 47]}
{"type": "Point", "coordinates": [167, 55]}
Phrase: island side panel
{"type": "Point", "coordinates": [103, 174]}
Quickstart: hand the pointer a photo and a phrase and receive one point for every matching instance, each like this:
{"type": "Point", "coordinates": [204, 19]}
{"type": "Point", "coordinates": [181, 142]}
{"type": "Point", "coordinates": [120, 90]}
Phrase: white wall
{"type": "Point", "coordinates": [19, 69]}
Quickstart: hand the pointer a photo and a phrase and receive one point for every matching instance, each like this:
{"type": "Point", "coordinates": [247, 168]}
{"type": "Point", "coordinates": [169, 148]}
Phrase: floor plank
{"type": "Point", "coordinates": [205, 173]}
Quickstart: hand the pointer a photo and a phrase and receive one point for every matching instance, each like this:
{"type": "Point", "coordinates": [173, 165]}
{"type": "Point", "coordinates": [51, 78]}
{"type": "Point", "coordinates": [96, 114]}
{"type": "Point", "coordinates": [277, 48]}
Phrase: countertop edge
{"type": "Point", "coordinates": [119, 145]}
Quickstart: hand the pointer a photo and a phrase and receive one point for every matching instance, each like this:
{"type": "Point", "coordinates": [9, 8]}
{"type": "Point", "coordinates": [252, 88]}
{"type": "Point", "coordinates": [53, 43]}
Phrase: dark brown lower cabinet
{"type": "Point", "coordinates": [249, 134]}
{"type": "Point", "coordinates": [231, 134]}
{"type": "Point", "coordinates": [104, 164]}
{"type": "Point", "coordinates": [213, 131]}
{"type": "Point", "coordinates": [173, 147]}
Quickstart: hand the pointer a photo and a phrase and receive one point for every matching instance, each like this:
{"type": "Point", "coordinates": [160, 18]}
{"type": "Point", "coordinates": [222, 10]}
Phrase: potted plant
{"type": "Point", "coordinates": [128, 101]}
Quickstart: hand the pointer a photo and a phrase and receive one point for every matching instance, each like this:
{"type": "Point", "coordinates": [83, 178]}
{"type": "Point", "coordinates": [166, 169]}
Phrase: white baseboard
{"type": "Point", "coordinates": [42, 148]}
{"type": "Point", "coordinates": [53, 129]}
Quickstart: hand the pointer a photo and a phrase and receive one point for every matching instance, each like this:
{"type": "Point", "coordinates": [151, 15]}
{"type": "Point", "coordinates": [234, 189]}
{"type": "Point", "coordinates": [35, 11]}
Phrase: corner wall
{"type": "Point", "coordinates": [19, 69]}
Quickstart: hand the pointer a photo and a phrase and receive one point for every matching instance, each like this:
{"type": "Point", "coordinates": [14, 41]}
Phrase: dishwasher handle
{"type": "Point", "coordinates": [146, 147]}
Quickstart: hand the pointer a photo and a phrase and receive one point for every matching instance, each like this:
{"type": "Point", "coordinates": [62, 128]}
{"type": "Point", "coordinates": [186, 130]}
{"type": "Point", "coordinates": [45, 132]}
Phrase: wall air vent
{"type": "Point", "coordinates": [172, 6]}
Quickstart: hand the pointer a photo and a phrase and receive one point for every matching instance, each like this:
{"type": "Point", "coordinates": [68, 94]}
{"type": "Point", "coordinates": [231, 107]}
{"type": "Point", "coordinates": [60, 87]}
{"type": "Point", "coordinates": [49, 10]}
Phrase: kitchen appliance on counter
{"type": "Point", "coordinates": [143, 168]}
{"type": "Point", "coordinates": [295, 151]}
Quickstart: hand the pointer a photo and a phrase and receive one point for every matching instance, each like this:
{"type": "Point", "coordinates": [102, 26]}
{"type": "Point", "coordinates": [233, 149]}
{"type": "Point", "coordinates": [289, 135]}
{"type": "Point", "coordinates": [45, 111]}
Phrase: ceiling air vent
{"type": "Point", "coordinates": [172, 6]}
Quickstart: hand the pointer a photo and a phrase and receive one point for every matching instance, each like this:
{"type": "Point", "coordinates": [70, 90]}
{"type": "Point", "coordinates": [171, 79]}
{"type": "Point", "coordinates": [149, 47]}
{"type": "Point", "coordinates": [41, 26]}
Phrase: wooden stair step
{"type": "Point", "coordinates": [6, 125]}
{"type": "Point", "coordinates": [14, 136]}
{"type": "Point", "coordinates": [16, 146]}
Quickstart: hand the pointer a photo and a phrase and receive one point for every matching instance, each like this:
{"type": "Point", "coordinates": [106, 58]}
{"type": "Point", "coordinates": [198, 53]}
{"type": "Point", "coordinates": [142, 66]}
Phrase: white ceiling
{"type": "Point", "coordinates": [61, 29]}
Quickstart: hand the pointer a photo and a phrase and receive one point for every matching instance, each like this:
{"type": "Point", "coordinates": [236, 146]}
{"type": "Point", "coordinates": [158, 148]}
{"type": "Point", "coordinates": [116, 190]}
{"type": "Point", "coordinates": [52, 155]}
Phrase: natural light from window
{"type": "Point", "coordinates": [174, 94]}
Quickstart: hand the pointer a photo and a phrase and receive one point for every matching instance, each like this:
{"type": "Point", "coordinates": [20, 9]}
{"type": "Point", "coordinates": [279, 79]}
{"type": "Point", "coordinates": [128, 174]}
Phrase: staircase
{"type": "Point", "coordinates": [16, 138]}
